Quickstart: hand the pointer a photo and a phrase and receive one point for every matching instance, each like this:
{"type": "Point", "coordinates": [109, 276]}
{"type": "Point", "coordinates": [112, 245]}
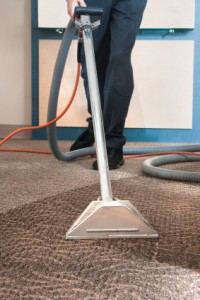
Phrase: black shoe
{"type": "Point", "coordinates": [86, 139]}
{"type": "Point", "coordinates": [115, 159]}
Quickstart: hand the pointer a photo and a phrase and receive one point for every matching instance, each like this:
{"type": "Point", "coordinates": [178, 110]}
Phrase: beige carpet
{"type": "Point", "coordinates": [41, 198]}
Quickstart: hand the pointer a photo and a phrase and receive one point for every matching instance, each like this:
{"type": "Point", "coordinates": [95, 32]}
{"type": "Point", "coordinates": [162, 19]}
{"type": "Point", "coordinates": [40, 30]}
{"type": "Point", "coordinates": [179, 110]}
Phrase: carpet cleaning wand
{"type": "Point", "coordinates": [107, 217]}
{"type": "Point", "coordinates": [86, 27]}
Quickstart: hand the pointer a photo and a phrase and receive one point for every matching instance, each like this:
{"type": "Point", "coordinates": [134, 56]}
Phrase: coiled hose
{"type": "Point", "coordinates": [150, 166]}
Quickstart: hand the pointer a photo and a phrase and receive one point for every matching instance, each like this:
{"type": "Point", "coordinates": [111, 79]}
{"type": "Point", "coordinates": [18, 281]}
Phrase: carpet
{"type": "Point", "coordinates": [38, 263]}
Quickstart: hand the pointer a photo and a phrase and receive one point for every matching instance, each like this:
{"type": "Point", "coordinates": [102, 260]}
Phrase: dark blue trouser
{"type": "Point", "coordinates": [113, 44]}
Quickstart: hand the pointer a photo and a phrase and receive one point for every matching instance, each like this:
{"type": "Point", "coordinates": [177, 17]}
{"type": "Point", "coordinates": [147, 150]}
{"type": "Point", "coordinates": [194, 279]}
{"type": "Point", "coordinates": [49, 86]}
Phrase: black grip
{"type": "Point", "coordinates": [91, 11]}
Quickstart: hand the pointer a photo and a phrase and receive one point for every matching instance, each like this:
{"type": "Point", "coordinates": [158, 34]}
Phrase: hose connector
{"type": "Point", "coordinates": [82, 17]}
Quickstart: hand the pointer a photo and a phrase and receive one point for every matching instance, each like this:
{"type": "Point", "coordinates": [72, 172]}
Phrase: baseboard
{"type": "Point", "coordinates": [7, 129]}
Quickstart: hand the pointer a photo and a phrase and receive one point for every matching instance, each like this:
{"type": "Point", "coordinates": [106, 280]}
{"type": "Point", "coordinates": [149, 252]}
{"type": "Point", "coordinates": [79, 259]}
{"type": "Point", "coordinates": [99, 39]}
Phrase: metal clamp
{"type": "Point", "coordinates": [82, 17]}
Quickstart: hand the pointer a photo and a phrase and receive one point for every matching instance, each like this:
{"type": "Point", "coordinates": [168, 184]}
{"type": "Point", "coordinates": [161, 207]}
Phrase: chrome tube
{"type": "Point", "coordinates": [106, 191]}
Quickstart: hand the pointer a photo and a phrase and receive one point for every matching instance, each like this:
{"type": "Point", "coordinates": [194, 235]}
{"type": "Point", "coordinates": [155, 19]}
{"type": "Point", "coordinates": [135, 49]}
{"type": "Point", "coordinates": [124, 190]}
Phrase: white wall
{"type": "Point", "coordinates": [161, 99]}
{"type": "Point", "coordinates": [15, 62]}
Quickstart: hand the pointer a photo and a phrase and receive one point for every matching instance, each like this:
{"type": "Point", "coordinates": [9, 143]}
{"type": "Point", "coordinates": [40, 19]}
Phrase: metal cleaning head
{"type": "Point", "coordinates": [114, 219]}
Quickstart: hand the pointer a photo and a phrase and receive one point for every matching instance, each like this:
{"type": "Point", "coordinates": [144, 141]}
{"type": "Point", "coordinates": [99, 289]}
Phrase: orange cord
{"type": "Point", "coordinates": [44, 125]}
{"type": "Point", "coordinates": [157, 154]}
{"type": "Point", "coordinates": [60, 115]}
{"type": "Point", "coordinates": [161, 153]}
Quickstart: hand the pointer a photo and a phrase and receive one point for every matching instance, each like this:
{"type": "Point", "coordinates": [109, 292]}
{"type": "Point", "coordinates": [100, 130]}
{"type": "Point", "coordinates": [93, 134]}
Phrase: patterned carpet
{"type": "Point", "coordinates": [38, 263]}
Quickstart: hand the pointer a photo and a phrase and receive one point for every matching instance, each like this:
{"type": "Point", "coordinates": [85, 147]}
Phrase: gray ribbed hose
{"type": "Point", "coordinates": [150, 166]}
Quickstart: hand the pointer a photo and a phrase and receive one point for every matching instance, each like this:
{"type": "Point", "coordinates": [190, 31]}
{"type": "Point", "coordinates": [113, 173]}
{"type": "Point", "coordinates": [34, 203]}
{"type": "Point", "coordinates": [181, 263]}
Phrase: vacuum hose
{"type": "Point", "coordinates": [149, 166]}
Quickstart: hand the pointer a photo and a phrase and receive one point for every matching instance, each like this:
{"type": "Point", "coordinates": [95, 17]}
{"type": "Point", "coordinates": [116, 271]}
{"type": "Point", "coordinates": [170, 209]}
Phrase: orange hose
{"type": "Point", "coordinates": [44, 125]}
{"type": "Point", "coordinates": [25, 151]}
{"type": "Point", "coordinates": [157, 154]}
{"type": "Point", "coordinates": [161, 153]}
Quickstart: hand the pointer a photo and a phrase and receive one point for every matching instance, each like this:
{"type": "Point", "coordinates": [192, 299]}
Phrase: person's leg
{"type": "Point", "coordinates": [102, 58]}
{"type": "Point", "coordinates": [101, 39]}
{"type": "Point", "coordinates": [125, 22]}
{"type": "Point", "coordinates": [114, 69]}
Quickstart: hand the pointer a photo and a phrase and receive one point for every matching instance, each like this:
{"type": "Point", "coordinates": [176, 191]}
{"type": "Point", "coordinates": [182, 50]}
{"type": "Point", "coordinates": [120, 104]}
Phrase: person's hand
{"type": "Point", "coordinates": [71, 4]}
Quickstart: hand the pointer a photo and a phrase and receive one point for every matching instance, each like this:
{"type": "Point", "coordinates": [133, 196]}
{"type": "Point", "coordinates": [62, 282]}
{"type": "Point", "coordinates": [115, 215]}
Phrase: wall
{"type": "Point", "coordinates": [15, 74]}
{"type": "Point", "coordinates": [15, 62]}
